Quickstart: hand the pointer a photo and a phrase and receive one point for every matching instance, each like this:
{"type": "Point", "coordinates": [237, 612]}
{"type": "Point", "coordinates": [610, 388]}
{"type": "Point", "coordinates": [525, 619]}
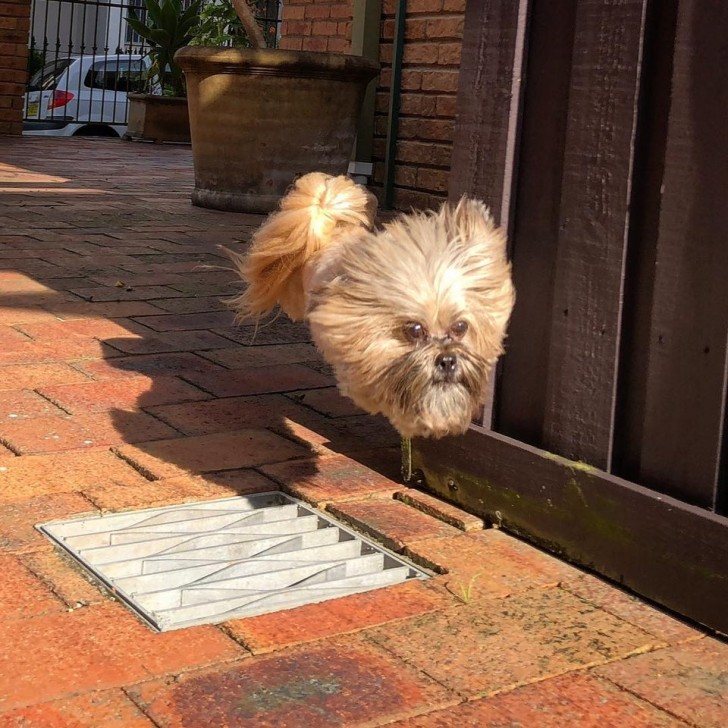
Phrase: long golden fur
{"type": "Point", "coordinates": [412, 316]}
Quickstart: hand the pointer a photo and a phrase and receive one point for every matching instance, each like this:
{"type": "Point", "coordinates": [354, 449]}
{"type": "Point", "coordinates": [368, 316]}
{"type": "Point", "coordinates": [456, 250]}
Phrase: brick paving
{"type": "Point", "coordinates": [124, 383]}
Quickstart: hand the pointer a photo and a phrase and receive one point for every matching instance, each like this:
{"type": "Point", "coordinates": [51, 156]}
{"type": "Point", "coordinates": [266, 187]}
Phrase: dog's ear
{"type": "Point", "coordinates": [472, 221]}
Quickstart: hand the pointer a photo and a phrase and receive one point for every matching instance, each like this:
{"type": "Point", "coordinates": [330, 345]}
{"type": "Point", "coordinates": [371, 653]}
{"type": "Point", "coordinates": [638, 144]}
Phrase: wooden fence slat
{"type": "Point", "coordinates": [665, 550]}
{"type": "Point", "coordinates": [521, 400]}
{"type": "Point", "coordinates": [685, 397]}
{"type": "Point", "coordinates": [489, 82]}
{"type": "Point", "coordinates": [598, 160]}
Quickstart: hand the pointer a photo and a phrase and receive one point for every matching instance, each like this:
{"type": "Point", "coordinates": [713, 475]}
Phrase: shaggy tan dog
{"type": "Point", "coordinates": [412, 317]}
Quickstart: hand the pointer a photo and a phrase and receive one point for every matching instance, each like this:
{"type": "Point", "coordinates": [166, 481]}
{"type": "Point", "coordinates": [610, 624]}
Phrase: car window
{"type": "Point", "coordinates": [46, 79]}
{"type": "Point", "coordinates": [124, 76]}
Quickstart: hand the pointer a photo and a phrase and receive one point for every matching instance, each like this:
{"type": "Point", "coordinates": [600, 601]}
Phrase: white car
{"type": "Point", "coordinates": [83, 95]}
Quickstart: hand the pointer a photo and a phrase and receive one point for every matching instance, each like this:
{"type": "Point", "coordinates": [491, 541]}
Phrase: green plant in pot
{"type": "Point", "coordinates": [260, 117]}
{"type": "Point", "coordinates": [161, 113]}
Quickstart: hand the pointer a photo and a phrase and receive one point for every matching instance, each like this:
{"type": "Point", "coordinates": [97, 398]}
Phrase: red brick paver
{"type": "Point", "coordinates": [124, 384]}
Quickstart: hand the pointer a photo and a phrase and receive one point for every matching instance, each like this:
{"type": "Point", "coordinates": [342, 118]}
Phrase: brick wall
{"type": "Point", "coordinates": [316, 25]}
{"type": "Point", "coordinates": [431, 61]}
{"type": "Point", "coordinates": [14, 27]}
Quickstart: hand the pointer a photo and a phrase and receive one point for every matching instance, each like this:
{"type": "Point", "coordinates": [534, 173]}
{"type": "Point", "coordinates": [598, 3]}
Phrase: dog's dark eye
{"type": "Point", "coordinates": [459, 329]}
{"type": "Point", "coordinates": [415, 331]}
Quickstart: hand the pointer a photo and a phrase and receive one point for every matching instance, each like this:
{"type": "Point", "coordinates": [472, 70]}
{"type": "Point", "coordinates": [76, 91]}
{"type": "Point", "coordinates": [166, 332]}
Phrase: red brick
{"type": "Point", "coordinates": [209, 453]}
{"type": "Point", "coordinates": [22, 403]}
{"type": "Point", "coordinates": [107, 708]}
{"type": "Point", "coordinates": [186, 305]}
{"type": "Point", "coordinates": [126, 393]}
{"type": "Point", "coordinates": [56, 434]}
{"type": "Point", "coordinates": [179, 489]}
{"type": "Point", "coordinates": [486, 647]}
{"type": "Point", "coordinates": [688, 681]}
{"type": "Point", "coordinates": [327, 401]}
{"type": "Point", "coordinates": [112, 310]}
{"type": "Point", "coordinates": [343, 683]}
{"type": "Point", "coordinates": [257, 356]}
{"type": "Point", "coordinates": [10, 315]}
{"type": "Point", "coordinates": [87, 327]}
{"type": "Point", "coordinates": [68, 581]}
{"type": "Point", "coordinates": [259, 380]}
{"type": "Point", "coordinates": [576, 700]}
{"type": "Point", "coordinates": [630, 608]}
{"type": "Point", "coordinates": [225, 415]}
{"type": "Point", "coordinates": [96, 648]}
{"type": "Point", "coordinates": [168, 342]}
{"type": "Point", "coordinates": [32, 352]}
{"type": "Point", "coordinates": [489, 563]}
{"type": "Point", "coordinates": [189, 321]}
{"type": "Point", "coordinates": [173, 364]}
{"type": "Point", "coordinates": [33, 475]}
{"type": "Point", "coordinates": [30, 376]}
{"type": "Point", "coordinates": [140, 293]}
{"type": "Point", "coordinates": [17, 520]}
{"type": "Point", "coordinates": [22, 595]}
{"type": "Point", "coordinates": [440, 509]}
{"type": "Point", "coordinates": [391, 522]}
{"type": "Point", "coordinates": [335, 617]}
{"type": "Point", "coordinates": [327, 479]}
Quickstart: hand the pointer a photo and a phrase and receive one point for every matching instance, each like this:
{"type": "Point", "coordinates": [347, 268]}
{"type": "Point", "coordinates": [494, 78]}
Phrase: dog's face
{"type": "Point", "coordinates": [413, 317]}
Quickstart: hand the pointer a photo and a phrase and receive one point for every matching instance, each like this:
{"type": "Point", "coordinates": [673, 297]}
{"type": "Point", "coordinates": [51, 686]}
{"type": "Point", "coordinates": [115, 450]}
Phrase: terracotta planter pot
{"type": "Point", "coordinates": [260, 118]}
{"type": "Point", "coordinates": [158, 118]}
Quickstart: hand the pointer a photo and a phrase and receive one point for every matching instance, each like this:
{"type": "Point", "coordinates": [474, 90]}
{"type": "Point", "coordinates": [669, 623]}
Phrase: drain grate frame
{"type": "Point", "coordinates": [210, 561]}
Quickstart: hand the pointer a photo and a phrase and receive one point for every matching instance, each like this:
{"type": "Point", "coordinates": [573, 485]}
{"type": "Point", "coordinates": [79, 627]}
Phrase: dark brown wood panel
{"type": "Point", "coordinates": [672, 553]}
{"type": "Point", "coordinates": [594, 220]}
{"type": "Point", "coordinates": [487, 101]}
{"type": "Point", "coordinates": [521, 398]}
{"type": "Point", "coordinates": [686, 378]}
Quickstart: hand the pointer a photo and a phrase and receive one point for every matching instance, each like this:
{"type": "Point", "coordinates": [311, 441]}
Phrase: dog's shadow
{"type": "Point", "coordinates": [260, 411]}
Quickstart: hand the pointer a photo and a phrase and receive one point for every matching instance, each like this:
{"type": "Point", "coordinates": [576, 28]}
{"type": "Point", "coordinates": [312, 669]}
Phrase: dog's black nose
{"type": "Point", "coordinates": [446, 363]}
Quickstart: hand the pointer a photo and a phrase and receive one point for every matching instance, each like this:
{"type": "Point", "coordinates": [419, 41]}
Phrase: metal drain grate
{"type": "Point", "coordinates": [202, 563]}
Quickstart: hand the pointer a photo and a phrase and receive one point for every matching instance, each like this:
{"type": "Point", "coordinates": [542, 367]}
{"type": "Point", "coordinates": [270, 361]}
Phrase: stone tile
{"type": "Point", "coordinates": [56, 434]}
{"type": "Point", "coordinates": [631, 609]}
{"type": "Point", "coordinates": [190, 321]}
{"type": "Point", "coordinates": [168, 342]}
{"type": "Point", "coordinates": [31, 376]}
{"type": "Point", "coordinates": [258, 380]}
{"type": "Point", "coordinates": [35, 475]}
{"type": "Point", "coordinates": [23, 595]}
{"type": "Point", "coordinates": [391, 522]}
{"type": "Point", "coordinates": [690, 680]}
{"type": "Point", "coordinates": [242, 357]}
{"type": "Point", "coordinates": [179, 489]}
{"type": "Point", "coordinates": [209, 453]}
{"type": "Point", "coordinates": [129, 393]}
{"type": "Point", "coordinates": [18, 519]}
{"type": "Point", "coordinates": [96, 648]}
{"type": "Point", "coordinates": [327, 401]}
{"type": "Point", "coordinates": [494, 645]}
{"type": "Point", "coordinates": [107, 708]}
{"type": "Point", "coordinates": [337, 616]}
{"type": "Point", "coordinates": [489, 563]}
{"type": "Point", "coordinates": [576, 700]}
{"type": "Point", "coordinates": [342, 683]}
{"type": "Point", "coordinates": [440, 509]}
{"type": "Point", "coordinates": [334, 478]}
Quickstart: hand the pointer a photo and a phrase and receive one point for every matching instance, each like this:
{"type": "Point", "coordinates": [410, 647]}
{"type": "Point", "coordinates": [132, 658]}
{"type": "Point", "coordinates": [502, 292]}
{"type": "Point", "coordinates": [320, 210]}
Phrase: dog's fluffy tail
{"type": "Point", "coordinates": [311, 217]}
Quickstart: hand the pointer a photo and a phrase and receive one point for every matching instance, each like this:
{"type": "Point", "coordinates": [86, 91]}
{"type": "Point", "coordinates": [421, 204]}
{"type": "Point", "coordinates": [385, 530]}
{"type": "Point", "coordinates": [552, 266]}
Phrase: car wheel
{"type": "Point", "coordinates": [97, 130]}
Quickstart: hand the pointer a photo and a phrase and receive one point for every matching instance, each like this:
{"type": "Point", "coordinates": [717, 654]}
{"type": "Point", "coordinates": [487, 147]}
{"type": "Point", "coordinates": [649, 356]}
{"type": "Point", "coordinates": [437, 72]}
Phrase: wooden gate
{"type": "Point", "coordinates": [596, 130]}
